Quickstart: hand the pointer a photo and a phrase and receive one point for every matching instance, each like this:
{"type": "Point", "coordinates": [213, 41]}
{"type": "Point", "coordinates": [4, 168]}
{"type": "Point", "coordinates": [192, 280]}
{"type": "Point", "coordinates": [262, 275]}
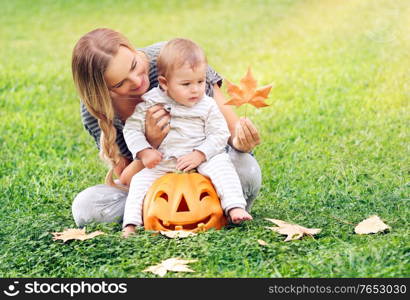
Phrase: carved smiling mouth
{"type": "Point", "coordinates": [190, 226]}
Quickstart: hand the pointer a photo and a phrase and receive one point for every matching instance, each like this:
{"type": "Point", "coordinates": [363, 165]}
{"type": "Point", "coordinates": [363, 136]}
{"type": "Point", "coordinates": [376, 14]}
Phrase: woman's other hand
{"type": "Point", "coordinates": [156, 125]}
{"type": "Point", "coordinates": [246, 136]}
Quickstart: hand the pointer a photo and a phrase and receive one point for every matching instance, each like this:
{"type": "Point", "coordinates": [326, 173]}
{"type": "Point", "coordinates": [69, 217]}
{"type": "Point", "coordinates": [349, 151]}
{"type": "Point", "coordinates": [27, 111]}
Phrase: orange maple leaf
{"type": "Point", "coordinates": [248, 92]}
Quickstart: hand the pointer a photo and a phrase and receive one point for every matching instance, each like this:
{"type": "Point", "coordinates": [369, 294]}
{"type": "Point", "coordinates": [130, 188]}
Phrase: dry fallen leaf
{"type": "Point", "coordinates": [262, 243]}
{"type": "Point", "coordinates": [177, 234]}
{"type": "Point", "coordinates": [248, 92]}
{"type": "Point", "coordinates": [372, 224]}
{"type": "Point", "coordinates": [293, 231]}
{"type": "Point", "coordinates": [171, 264]}
{"type": "Point", "coordinates": [74, 234]}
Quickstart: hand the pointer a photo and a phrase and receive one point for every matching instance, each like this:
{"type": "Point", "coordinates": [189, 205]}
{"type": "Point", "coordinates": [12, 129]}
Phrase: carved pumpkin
{"type": "Point", "coordinates": [182, 202]}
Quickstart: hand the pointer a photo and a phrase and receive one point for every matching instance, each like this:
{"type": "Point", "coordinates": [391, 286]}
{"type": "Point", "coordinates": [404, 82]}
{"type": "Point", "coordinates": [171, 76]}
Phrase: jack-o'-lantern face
{"type": "Point", "coordinates": [182, 202]}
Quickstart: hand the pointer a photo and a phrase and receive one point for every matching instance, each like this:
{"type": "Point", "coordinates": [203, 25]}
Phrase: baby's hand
{"type": "Point", "coordinates": [150, 157]}
{"type": "Point", "coordinates": [190, 161]}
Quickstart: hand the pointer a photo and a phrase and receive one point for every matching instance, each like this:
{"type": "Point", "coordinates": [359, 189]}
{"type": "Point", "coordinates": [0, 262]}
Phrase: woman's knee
{"type": "Point", "coordinates": [100, 203]}
{"type": "Point", "coordinates": [249, 174]}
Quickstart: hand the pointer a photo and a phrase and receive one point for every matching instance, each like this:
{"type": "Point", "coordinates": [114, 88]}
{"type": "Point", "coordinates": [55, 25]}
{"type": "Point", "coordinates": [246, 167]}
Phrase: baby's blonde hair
{"type": "Point", "coordinates": [178, 52]}
{"type": "Point", "coordinates": [91, 56]}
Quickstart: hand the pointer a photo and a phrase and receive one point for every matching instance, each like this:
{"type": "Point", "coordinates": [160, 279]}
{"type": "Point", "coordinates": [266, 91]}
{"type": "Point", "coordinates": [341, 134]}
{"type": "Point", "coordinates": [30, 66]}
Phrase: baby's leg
{"type": "Point", "coordinates": [226, 181]}
{"type": "Point", "coordinates": [139, 186]}
{"type": "Point", "coordinates": [249, 173]}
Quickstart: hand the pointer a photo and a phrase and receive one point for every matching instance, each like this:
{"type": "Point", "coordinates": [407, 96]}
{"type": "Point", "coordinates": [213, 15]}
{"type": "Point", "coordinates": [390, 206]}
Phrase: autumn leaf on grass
{"type": "Point", "coordinates": [248, 92]}
{"type": "Point", "coordinates": [372, 224]}
{"type": "Point", "coordinates": [262, 243]}
{"type": "Point", "coordinates": [177, 234]}
{"type": "Point", "coordinates": [172, 265]}
{"type": "Point", "coordinates": [293, 231]}
{"type": "Point", "coordinates": [75, 234]}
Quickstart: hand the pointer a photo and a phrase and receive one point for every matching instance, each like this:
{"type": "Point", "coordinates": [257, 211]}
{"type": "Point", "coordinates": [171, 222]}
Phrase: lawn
{"type": "Point", "coordinates": [335, 144]}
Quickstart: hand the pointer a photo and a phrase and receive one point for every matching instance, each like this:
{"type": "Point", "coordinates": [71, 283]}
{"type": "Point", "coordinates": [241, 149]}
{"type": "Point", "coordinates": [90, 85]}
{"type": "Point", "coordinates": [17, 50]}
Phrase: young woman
{"type": "Point", "coordinates": [110, 76]}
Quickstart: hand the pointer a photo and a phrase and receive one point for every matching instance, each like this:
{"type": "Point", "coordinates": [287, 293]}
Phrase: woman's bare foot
{"type": "Point", "coordinates": [128, 230]}
{"type": "Point", "coordinates": [239, 215]}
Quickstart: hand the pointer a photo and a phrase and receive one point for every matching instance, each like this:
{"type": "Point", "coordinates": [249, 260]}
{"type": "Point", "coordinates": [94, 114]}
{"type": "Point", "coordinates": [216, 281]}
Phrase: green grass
{"type": "Point", "coordinates": [335, 139]}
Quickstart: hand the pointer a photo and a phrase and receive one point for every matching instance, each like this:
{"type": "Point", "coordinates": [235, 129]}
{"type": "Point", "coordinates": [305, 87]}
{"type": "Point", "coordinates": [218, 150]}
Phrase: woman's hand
{"type": "Point", "coordinates": [156, 125]}
{"type": "Point", "coordinates": [246, 136]}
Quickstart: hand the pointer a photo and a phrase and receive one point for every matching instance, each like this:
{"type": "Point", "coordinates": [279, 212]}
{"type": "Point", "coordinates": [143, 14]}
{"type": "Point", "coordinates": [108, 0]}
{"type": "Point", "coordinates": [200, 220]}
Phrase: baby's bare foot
{"type": "Point", "coordinates": [128, 231]}
{"type": "Point", "coordinates": [239, 215]}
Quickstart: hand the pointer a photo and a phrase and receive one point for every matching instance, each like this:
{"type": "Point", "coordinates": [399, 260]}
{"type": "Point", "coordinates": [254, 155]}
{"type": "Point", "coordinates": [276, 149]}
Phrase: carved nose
{"type": "Point", "coordinates": [183, 206]}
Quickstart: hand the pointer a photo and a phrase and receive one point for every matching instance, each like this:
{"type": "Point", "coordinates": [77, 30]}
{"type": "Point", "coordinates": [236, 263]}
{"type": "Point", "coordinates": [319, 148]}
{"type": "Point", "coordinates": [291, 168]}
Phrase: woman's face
{"type": "Point", "coordinates": [127, 73]}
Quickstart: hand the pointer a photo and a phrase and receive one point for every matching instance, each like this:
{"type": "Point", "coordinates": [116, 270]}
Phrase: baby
{"type": "Point", "coordinates": [197, 137]}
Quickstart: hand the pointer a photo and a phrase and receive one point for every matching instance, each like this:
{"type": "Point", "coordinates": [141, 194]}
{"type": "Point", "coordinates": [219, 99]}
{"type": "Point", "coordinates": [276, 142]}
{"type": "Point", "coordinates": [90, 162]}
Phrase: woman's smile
{"type": "Point", "coordinates": [143, 87]}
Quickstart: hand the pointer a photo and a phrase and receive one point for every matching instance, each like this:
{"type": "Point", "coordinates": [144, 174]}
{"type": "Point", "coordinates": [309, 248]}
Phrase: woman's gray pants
{"type": "Point", "coordinates": [103, 203]}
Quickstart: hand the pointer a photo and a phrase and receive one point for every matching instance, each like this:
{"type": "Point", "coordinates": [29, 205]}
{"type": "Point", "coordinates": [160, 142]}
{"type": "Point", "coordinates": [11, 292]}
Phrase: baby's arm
{"type": "Point", "coordinates": [216, 131]}
{"type": "Point", "coordinates": [217, 135]}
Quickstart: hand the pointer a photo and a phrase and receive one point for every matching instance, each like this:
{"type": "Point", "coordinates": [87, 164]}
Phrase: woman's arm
{"type": "Point", "coordinates": [125, 169]}
{"type": "Point", "coordinates": [129, 171]}
{"type": "Point", "coordinates": [156, 128]}
{"type": "Point", "coordinates": [244, 135]}
{"type": "Point", "coordinates": [136, 138]}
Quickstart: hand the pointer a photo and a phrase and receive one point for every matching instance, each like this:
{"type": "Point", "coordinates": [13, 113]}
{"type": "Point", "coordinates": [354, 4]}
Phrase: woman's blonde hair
{"type": "Point", "coordinates": [91, 56]}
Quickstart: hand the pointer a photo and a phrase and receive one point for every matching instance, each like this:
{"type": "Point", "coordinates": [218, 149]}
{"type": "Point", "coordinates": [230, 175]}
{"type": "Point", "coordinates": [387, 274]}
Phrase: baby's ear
{"type": "Point", "coordinates": [163, 83]}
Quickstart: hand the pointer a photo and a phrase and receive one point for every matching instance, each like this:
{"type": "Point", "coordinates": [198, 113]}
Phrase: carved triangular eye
{"type": "Point", "coordinates": [203, 195]}
{"type": "Point", "coordinates": [163, 196]}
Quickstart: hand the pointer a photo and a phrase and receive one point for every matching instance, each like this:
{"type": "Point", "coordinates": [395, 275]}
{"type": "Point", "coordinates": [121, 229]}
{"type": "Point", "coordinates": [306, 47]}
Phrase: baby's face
{"type": "Point", "coordinates": [186, 85]}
